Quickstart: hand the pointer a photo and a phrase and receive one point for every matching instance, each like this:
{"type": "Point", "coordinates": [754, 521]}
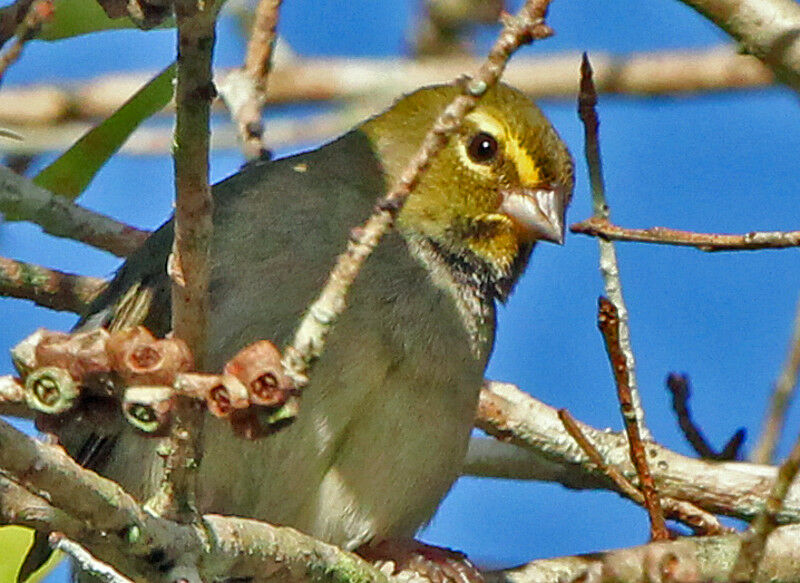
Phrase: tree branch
{"type": "Point", "coordinates": [21, 200]}
{"type": "Point", "coordinates": [357, 80]}
{"type": "Point", "coordinates": [604, 229]}
{"type": "Point", "coordinates": [767, 29]}
{"type": "Point", "coordinates": [49, 288]}
{"type": "Point", "coordinates": [734, 489]}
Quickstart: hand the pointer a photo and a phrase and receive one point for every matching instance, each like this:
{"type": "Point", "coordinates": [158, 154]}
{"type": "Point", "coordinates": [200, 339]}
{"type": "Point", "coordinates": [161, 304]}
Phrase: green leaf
{"type": "Point", "coordinates": [15, 540]}
{"type": "Point", "coordinates": [76, 17]}
{"type": "Point", "coordinates": [71, 173]}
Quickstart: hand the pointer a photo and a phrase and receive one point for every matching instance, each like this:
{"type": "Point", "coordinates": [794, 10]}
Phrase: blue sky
{"type": "Point", "coordinates": [725, 162]}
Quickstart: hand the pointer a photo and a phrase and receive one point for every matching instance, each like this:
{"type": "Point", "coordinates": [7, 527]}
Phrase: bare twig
{"type": "Point", "coordinates": [309, 338]}
{"type": "Point", "coordinates": [766, 29]}
{"type": "Point", "coordinates": [21, 200]}
{"type": "Point", "coordinates": [733, 489]}
{"type": "Point", "coordinates": [700, 521]}
{"type": "Point", "coordinates": [360, 80]}
{"type": "Point", "coordinates": [50, 288]}
{"type": "Point", "coordinates": [609, 267]}
{"type": "Point", "coordinates": [11, 17]}
{"type": "Point", "coordinates": [244, 90]}
{"type": "Point", "coordinates": [38, 13]}
{"type": "Point", "coordinates": [601, 227]}
{"type": "Point", "coordinates": [679, 387]}
{"type": "Point", "coordinates": [782, 397]}
{"type": "Point", "coordinates": [609, 324]}
{"type": "Point", "coordinates": [752, 552]}
{"type": "Point", "coordinates": [189, 263]}
{"type": "Point", "coordinates": [86, 561]}
{"type": "Point", "coordinates": [685, 560]}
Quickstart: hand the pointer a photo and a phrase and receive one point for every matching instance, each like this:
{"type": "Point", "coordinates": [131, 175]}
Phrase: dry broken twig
{"type": "Point", "coordinates": [609, 323]}
{"type": "Point", "coordinates": [601, 227]}
{"type": "Point", "coordinates": [697, 519]}
{"type": "Point", "coordinates": [678, 385]}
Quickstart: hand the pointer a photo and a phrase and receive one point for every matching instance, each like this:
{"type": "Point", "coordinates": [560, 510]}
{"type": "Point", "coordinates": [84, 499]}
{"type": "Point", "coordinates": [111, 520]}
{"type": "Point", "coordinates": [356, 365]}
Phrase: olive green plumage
{"type": "Point", "coordinates": [387, 415]}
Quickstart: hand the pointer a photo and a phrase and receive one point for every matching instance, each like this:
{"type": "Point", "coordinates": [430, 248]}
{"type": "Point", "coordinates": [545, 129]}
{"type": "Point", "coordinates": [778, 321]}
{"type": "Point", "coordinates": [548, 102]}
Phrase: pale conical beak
{"type": "Point", "coordinates": [538, 212]}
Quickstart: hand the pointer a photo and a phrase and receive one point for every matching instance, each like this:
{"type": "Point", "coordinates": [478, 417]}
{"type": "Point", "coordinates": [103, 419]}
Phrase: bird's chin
{"type": "Point", "coordinates": [504, 284]}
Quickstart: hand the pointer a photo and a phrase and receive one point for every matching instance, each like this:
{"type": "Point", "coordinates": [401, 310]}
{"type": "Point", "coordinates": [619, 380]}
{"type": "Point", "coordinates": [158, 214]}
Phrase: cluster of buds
{"type": "Point", "coordinates": [147, 374]}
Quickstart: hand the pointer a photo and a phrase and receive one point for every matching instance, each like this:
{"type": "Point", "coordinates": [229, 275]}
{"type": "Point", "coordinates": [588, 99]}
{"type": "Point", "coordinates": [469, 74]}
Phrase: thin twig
{"type": "Point", "coordinates": [38, 13]}
{"type": "Point", "coordinates": [309, 338]}
{"type": "Point", "coordinates": [86, 561]}
{"type": "Point", "coordinates": [601, 227]}
{"type": "Point", "coordinates": [244, 90]}
{"type": "Point", "coordinates": [782, 396]}
{"type": "Point", "coordinates": [752, 552]}
{"type": "Point", "coordinates": [21, 200]}
{"type": "Point", "coordinates": [678, 385]}
{"type": "Point", "coordinates": [609, 266]}
{"type": "Point", "coordinates": [189, 263]}
{"type": "Point", "coordinates": [609, 324]}
{"type": "Point", "coordinates": [49, 288]}
{"type": "Point", "coordinates": [699, 520]}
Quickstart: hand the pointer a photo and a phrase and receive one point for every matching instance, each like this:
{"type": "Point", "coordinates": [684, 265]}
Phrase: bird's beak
{"type": "Point", "coordinates": [538, 212]}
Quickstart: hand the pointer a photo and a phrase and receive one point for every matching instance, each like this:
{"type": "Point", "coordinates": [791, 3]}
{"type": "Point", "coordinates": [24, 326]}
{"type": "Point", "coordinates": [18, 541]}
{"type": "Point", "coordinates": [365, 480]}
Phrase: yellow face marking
{"type": "Point", "coordinates": [527, 170]}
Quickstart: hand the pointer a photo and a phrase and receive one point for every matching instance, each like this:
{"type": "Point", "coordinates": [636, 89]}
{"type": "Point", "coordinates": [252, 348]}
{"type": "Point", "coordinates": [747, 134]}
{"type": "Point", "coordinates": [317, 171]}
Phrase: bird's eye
{"type": "Point", "coordinates": [482, 148]}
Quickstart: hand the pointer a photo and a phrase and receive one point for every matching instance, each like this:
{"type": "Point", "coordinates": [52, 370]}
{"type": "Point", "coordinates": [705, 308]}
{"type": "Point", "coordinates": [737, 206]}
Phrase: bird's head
{"type": "Point", "coordinates": [502, 182]}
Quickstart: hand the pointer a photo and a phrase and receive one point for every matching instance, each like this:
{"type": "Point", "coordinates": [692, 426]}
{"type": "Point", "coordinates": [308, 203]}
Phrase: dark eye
{"type": "Point", "coordinates": [482, 148]}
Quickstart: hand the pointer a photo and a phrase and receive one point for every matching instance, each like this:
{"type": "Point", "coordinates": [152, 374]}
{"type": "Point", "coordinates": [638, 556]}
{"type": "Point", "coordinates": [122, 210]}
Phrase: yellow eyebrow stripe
{"type": "Point", "coordinates": [527, 170]}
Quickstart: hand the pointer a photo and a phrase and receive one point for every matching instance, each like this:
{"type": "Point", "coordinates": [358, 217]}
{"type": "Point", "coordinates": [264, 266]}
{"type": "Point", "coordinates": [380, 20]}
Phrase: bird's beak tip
{"type": "Point", "coordinates": [538, 212]}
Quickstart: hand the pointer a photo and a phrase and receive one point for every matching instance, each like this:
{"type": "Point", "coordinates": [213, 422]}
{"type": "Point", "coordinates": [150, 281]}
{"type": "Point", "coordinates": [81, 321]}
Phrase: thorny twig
{"type": "Point", "coordinates": [601, 227]}
{"type": "Point", "coordinates": [699, 520]}
{"type": "Point", "coordinates": [678, 385]}
{"type": "Point", "coordinates": [609, 324]}
{"type": "Point", "coordinates": [609, 267]}
{"type": "Point", "coordinates": [782, 397]}
{"type": "Point", "coordinates": [309, 338]}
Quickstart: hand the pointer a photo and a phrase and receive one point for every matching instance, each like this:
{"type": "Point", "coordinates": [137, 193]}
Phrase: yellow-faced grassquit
{"type": "Point", "coordinates": [385, 420]}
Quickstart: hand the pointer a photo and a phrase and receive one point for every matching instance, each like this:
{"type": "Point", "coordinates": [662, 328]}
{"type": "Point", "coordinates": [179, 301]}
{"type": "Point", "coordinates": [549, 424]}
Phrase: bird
{"type": "Point", "coordinates": [386, 418]}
